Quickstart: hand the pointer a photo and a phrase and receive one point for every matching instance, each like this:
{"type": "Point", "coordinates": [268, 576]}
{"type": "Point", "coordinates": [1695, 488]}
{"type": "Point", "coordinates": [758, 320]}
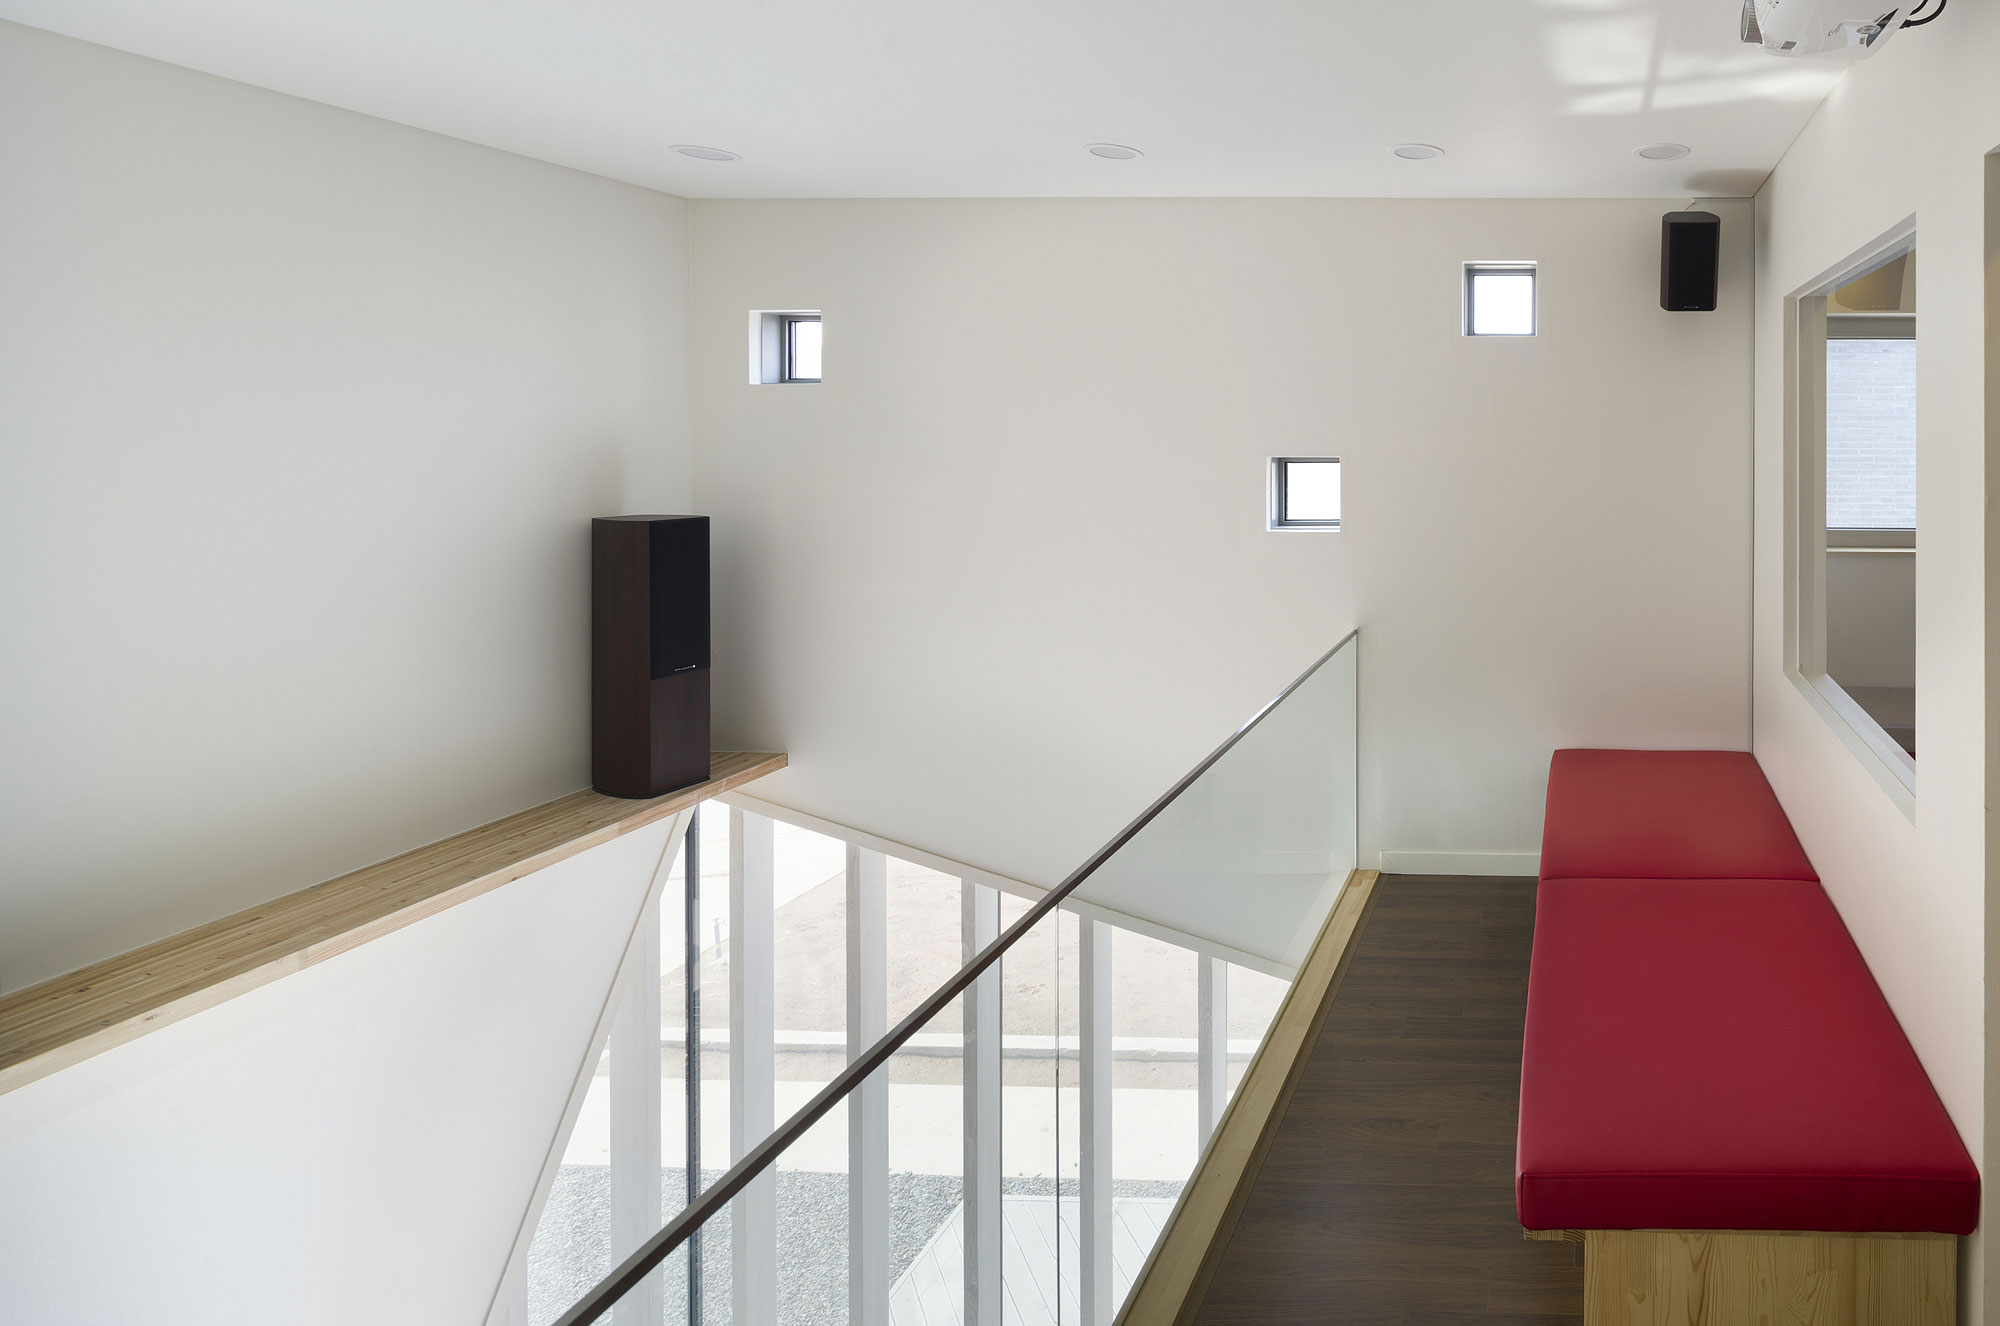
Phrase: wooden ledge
{"type": "Point", "coordinates": [48, 1027]}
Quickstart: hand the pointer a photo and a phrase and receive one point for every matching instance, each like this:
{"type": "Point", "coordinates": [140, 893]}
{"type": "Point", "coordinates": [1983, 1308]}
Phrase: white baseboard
{"type": "Point", "coordinates": [1462, 863]}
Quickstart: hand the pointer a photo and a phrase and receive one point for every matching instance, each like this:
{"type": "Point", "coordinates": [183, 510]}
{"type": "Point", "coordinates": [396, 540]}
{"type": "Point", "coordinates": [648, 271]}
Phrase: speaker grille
{"type": "Point", "coordinates": [678, 571]}
{"type": "Point", "coordinates": [1690, 258]}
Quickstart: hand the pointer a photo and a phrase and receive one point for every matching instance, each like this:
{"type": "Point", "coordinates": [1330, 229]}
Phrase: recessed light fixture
{"type": "Point", "coordinates": [1113, 151]}
{"type": "Point", "coordinates": [1661, 151]}
{"type": "Point", "coordinates": [1417, 151]}
{"type": "Point", "coordinates": [704, 153]}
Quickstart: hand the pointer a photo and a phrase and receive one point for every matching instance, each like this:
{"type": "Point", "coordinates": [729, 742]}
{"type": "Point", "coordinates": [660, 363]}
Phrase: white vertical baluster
{"type": "Point", "coordinates": [1095, 1211]}
{"type": "Point", "coordinates": [1212, 1052]}
{"type": "Point", "coordinates": [752, 1064]}
{"type": "Point", "coordinates": [979, 921]}
{"type": "Point", "coordinates": [635, 1115]}
{"type": "Point", "coordinates": [868, 1106]}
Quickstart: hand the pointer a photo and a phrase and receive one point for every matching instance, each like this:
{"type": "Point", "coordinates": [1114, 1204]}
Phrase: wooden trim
{"type": "Point", "coordinates": [1176, 1276]}
{"type": "Point", "coordinates": [1699, 1277]}
{"type": "Point", "coordinates": [61, 1022]}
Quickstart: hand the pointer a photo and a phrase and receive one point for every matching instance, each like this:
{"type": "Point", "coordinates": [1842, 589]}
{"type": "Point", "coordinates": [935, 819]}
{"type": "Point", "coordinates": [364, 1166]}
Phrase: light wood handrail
{"type": "Point", "coordinates": [60, 1022]}
{"type": "Point", "coordinates": [1171, 1285]}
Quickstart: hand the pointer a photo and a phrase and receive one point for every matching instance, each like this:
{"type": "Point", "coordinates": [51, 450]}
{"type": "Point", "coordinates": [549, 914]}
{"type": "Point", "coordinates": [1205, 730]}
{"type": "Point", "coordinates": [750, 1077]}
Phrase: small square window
{"type": "Point", "coordinates": [1305, 492]}
{"type": "Point", "coordinates": [1499, 299]}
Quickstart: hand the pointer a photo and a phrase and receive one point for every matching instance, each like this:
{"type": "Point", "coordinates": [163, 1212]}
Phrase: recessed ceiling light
{"type": "Point", "coordinates": [1113, 151]}
{"type": "Point", "coordinates": [704, 153]}
{"type": "Point", "coordinates": [1661, 151]}
{"type": "Point", "coordinates": [1417, 151]}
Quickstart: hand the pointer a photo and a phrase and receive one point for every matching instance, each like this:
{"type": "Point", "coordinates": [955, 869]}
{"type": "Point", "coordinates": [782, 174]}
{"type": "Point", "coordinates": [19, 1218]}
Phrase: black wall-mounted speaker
{"type": "Point", "coordinates": [648, 653]}
{"type": "Point", "coordinates": [1690, 261]}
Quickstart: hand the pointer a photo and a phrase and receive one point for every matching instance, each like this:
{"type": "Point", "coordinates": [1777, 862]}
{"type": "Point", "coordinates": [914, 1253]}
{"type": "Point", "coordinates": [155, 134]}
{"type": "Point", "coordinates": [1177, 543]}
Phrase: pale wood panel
{"type": "Point", "coordinates": [61, 1022]}
{"type": "Point", "coordinates": [1751, 1278]}
{"type": "Point", "coordinates": [1183, 1262]}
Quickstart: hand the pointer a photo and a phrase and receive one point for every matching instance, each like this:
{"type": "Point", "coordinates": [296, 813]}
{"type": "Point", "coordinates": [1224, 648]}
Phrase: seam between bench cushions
{"type": "Point", "coordinates": [1541, 1176]}
{"type": "Point", "coordinates": [1685, 879]}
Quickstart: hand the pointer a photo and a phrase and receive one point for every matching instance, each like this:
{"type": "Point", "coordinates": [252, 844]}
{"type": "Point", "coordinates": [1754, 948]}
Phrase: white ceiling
{"type": "Point", "coordinates": [942, 98]}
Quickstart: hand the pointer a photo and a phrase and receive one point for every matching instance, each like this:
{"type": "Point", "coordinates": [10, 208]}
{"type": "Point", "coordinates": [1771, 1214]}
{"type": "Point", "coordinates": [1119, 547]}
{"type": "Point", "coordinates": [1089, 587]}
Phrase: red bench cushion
{"type": "Point", "coordinates": [1713, 1054]}
{"type": "Point", "coordinates": [1666, 814]}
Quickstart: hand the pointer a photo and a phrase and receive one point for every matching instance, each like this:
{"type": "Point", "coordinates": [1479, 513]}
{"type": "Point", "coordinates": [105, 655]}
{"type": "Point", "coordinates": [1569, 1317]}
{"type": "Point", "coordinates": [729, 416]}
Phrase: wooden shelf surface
{"type": "Point", "coordinates": [48, 1027]}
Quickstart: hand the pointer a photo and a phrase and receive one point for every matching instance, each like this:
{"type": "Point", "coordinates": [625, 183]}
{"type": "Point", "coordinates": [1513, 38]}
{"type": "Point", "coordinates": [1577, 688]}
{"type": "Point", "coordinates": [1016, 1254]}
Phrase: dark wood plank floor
{"type": "Point", "coordinates": [1387, 1197]}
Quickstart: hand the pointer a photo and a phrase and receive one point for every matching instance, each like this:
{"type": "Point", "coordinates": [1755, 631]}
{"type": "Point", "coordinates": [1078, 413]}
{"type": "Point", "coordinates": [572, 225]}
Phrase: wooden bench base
{"type": "Point", "coordinates": [1698, 1277]}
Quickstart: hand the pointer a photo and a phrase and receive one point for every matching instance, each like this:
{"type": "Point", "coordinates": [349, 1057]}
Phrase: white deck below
{"type": "Point", "coordinates": [932, 1291]}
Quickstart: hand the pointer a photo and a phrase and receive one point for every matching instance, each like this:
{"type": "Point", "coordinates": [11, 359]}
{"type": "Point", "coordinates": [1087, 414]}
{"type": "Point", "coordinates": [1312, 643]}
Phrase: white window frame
{"type": "Point", "coordinates": [1893, 769]}
{"type": "Point", "coordinates": [788, 347]}
{"type": "Point", "coordinates": [1275, 517]}
{"type": "Point", "coordinates": [1533, 269]}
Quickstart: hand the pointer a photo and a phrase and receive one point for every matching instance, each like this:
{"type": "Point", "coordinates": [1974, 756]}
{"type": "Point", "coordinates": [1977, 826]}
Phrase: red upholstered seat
{"type": "Point", "coordinates": [1713, 1054]}
{"type": "Point", "coordinates": [1666, 814]}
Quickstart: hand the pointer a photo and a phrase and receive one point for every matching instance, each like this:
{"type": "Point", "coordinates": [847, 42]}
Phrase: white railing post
{"type": "Point", "coordinates": [752, 1063]}
{"type": "Point", "coordinates": [1095, 1210]}
{"type": "Point", "coordinates": [634, 1089]}
{"type": "Point", "coordinates": [979, 924]}
{"type": "Point", "coordinates": [868, 1105]}
{"type": "Point", "coordinates": [1211, 1046]}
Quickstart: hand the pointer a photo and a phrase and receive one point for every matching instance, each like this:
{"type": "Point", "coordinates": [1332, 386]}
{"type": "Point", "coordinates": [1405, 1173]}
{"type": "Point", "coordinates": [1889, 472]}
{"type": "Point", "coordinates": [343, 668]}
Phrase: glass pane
{"type": "Point", "coordinates": [1247, 860]}
{"type": "Point", "coordinates": [1031, 1013]}
{"type": "Point", "coordinates": [1871, 434]}
{"type": "Point", "coordinates": [1503, 302]}
{"type": "Point", "coordinates": [1068, 1113]}
{"type": "Point", "coordinates": [812, 1224]}
{"type": "Point", "coordinates": [1253, 853]}
{"type": "Point", "coordinates": [571, 1251]}
{"type": "Point", "coordinates": [710, 962]}
{"type": "Point", "coordinates": [674, 1059]}
{"type": "Point", "coordinates": [927, 1114]}
{"type": "Point", "coordinates": [1312, 490]}
{"type": "Point", "coordinates": [925, 948]}
{"type": "Point", "coordinates": [1155, 1119]}
{"type": "Point", "coordinates": [805, 349]}
{"type": "Point", "coordinates": [809, 890]}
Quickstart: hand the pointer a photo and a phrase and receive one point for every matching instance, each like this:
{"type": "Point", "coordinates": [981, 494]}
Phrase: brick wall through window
{"type": "Point", "coordinates": [1871, 434]}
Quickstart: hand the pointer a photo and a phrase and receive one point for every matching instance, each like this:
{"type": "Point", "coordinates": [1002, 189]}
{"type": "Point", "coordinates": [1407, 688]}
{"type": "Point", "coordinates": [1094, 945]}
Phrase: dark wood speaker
{"type": "Point", "coordinates": [648, 653]}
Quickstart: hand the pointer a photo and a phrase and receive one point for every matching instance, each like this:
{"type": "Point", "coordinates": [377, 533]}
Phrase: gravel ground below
{"type": "Point", "coordinates": [571, 1251]}
{"type": "Point", "coordinates": [572, 1245]}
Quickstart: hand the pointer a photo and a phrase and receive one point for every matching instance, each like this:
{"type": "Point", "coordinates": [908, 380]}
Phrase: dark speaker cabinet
{"type": "Point", "coordinates": [648, 653]}
{"type": "Point", "coordinates": [1690, 261]}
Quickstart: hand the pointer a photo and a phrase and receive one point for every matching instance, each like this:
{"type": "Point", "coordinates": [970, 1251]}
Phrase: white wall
{"type": "Point", "coordinates": [354, 1143]}
{"type": "Point", "coordinates": [1871, 618]}
{"type": "Point", "coordinates": [1904, 133]}
{"type": "Point", "coordinates": [302, 417]}
{"type": "Point", "coordinates": [1004, 576]}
